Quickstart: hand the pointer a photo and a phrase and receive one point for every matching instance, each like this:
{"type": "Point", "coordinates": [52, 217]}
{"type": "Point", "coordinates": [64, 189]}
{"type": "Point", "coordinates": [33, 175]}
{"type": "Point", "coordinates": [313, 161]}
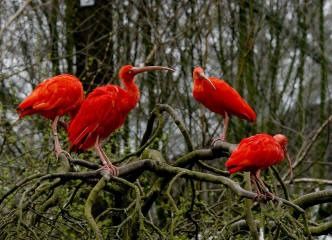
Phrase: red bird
{"type": "Point", "coordinates": [104, 111]}
{"type": "Point", "coordinates": [219, 97]}
{"type": "Point", "coordinates": [52, 99]}
{"type": "Point", "coordinates": [256, 153]}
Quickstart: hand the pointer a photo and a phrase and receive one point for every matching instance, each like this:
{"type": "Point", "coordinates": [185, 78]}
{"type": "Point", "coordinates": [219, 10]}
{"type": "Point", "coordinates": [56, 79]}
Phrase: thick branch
{"type": "Point", "coordinates": [164, 169]}
{"type": "Point", "coordinates": [322, 229]}
{"type": "Point", "coordinates": [220, 149]}
{"type": "Point", "coordinates": [88, 206]}
{"type": "Point", "coordinates": [313, 199]}
{"type": "Point", "coordinates": [250, 220]}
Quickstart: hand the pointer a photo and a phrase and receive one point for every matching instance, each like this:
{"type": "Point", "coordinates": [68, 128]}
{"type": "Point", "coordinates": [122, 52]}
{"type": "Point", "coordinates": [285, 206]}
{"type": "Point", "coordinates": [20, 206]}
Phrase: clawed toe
{"type": "Point", "coordinates": [113, 170]}
{"type": "Point", "coordinates": [269, 196]}
{"type": "Point", "coordinates": [275, 201]}
{"type": "Point", "coordinates": [258, 198]}
{"type": "Point", "coordinates": [222, 138]}
{"type": "Point", "coordinates": [58, 152]}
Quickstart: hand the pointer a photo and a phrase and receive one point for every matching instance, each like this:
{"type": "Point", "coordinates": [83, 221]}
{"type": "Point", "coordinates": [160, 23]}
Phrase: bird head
{"type": "Point", "coordinates": [198, 75]}
{"type": "Point", "coordinates": [128, 72]}
{"type": "Point", "coordinates": [282, 140]}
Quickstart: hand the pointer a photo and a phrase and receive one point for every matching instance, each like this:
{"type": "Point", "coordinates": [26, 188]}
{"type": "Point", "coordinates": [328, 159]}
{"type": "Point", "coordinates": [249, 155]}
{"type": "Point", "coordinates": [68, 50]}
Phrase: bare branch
{"type": "Point", "coordinates": [250, 220]}
{"type": "Point", "coordinates": [165, 169]}
{"type": "Point", "coordinates": [88, 206]}
{"type": "Point", "coordinates": [312, 199]}
{"type": "Point", "coordinates": [315, 137]}
{"type": "Point", "coordinates": [16, 15]}
{"type": "Point", "coordinates": [179, 124]}
{"type": "Point", "coordinates": [85, 163]}
{"type": "Point", "coordinates": [322, 229]}
{"type": "Point", "coordinates": [311, 180]}
{"type": "Point", "coordinates": [20, 184]}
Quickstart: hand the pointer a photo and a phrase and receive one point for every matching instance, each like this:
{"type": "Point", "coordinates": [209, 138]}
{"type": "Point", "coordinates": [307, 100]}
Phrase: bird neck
{"type": "Point", "coordinates": [198, 86]}
{"type": "Point", "coordinates": [132, 90]}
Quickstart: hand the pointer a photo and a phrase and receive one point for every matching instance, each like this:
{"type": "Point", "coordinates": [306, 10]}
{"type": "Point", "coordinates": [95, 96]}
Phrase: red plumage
{"type": "Point", "coordinates": [56, 96]}
{"type": "Point", "coordinates": [256, 153]}
{"type": "Point", "coordinates": [104, 111]}
{"type": "Point", "coordinates": [219, 97]}
{"type": "Point", "coordinates": [52, 99]}
{"type": "Point", "coordinates": [222, 99]}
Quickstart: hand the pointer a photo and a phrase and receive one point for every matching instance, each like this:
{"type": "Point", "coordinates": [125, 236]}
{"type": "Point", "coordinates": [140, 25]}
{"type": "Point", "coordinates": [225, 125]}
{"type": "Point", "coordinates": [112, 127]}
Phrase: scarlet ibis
{"type": "Point", "coordinates": [219, 97]}
{"type": "Point", "coordinates": [256, 153]}
{"type": "Point", "coordinates": [52, 99]}
{"type": "Point", "coordinates": [105, 110]}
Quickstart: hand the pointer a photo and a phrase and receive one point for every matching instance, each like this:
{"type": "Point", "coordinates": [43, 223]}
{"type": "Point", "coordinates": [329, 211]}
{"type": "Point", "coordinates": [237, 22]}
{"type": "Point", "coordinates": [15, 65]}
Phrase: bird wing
{"type": "Point", "coordinates": [35, 97]}
{"type": "Point", "coordinates": [53, 93]}
{"type": "Point", "coordinates": [58, 92]}
{"type": "Point", "coordinates": [229, 100]}
{"type": "Point", "coordinates": [255, 152]}
{"type": "Point", "coordinates": [95, 111]}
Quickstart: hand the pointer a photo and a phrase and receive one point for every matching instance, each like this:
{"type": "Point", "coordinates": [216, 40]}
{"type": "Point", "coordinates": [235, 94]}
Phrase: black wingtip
{"type": "Point", "coordinates": [84, 138]}
{"type": "Point", "coordinates": [233, 166]}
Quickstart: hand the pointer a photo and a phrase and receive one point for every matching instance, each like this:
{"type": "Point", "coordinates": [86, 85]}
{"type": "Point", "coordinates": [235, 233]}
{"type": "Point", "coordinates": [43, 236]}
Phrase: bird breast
{"type": "Point", "coordinates": [210, 98]}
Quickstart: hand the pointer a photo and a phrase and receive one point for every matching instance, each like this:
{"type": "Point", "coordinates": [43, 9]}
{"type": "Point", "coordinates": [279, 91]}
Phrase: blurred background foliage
{"type": "Point", "coordinates": [277, 54]}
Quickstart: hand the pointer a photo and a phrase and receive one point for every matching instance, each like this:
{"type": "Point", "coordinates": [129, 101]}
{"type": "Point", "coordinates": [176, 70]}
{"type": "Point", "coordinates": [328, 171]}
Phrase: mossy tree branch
{"type": "Point", "coordinates": [88, 206]}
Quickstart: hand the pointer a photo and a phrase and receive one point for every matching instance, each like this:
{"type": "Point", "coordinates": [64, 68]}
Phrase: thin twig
{"type": "Point", "coordinates": [16, 15]}
{"type": "Point", "coordinates": [314, 139]}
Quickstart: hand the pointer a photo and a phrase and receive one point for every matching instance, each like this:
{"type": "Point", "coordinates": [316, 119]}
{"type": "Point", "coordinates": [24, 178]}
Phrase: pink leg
{"type": "Point", "coordinates": [104, 154]}
{"type": "Point", "coordinates": [225, 127]}
{"type": "Point", "coordinates": [268, 194]}
{"type": "Point", "coordinates": [223, 136]}
{"type": "Point", "coordinates": [57, 146]}
{"type": "Point", "coordinates": [259, 195]}
{"type": "Point", "coordinates": [113, 170]}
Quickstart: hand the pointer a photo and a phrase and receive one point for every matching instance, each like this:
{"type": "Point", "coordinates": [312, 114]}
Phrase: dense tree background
{"type": "Point", "coordinates": [276, 53]}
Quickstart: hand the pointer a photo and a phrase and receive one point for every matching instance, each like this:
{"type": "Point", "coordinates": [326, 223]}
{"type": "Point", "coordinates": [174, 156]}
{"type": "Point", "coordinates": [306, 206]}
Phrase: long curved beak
{"type": "Point", "coordinates": [207, 79]}
{"type": "Point", "coordinates": [289, 163]}
{"type": "Point", "coordinates": [137, 70]}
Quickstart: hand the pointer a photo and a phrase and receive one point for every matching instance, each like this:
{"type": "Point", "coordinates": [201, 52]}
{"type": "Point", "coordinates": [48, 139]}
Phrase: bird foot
{"type": "Point", "coordinates": [222, 138]}
{"type": "Point", "coordinates": [113, 170]}
{"type": "Point", "coordinates": [269, 196]}
{"type": "Point", "coordinates": [59, 151]}
{"type": "Point", "coordinates": [258, 198]}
